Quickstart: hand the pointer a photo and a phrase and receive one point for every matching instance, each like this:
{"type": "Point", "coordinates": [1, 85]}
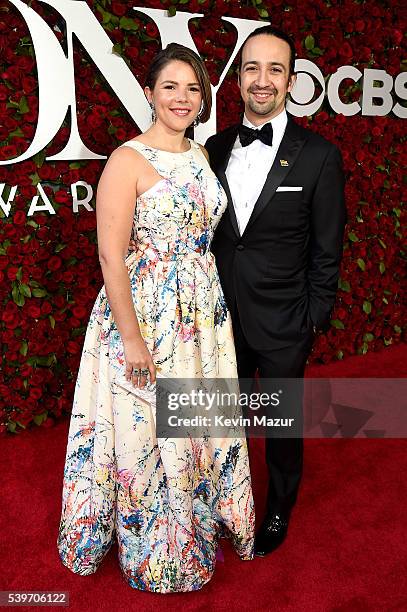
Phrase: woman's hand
{"type": "Point", "coordinates": [132, 245]}
{"type": "Point", "coordinates": [138, 357]}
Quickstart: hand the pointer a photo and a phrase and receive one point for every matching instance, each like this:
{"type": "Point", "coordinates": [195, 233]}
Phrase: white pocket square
{"type": "Point", "coordinates": [289, 188]}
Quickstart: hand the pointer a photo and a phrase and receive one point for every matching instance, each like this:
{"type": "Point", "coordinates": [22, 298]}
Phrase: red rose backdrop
{"type": "Point", "coordinates": [49, 270]}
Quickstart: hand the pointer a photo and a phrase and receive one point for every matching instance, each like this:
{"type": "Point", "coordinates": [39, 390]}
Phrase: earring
{"type": "Point", "coordinates": [197, 119]}
{"type": "Point", "coordinates": [153, 113]}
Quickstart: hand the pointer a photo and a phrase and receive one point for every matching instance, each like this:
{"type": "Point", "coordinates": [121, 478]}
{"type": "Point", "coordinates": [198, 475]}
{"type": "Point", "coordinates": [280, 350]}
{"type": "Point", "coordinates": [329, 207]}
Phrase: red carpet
{"type": "Point", "coordinates": [345, 550]}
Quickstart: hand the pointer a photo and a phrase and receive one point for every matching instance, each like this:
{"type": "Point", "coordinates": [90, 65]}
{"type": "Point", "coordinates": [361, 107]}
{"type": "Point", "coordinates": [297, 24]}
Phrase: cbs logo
{"type": "Point", "coordinates": [377, 97]}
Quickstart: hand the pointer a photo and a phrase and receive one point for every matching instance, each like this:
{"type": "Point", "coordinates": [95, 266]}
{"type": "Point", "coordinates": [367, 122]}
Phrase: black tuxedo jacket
{"type": "Point", "coordinates": [280, 277]}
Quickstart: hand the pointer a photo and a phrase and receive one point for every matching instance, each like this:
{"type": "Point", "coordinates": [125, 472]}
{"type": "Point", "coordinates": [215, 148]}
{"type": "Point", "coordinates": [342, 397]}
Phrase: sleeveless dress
{"type": "Point", "coordinates": [167, 501]}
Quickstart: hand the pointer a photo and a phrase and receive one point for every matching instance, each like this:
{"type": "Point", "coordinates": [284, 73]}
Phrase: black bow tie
{"type": "Point", "coordinates": [248, 135]}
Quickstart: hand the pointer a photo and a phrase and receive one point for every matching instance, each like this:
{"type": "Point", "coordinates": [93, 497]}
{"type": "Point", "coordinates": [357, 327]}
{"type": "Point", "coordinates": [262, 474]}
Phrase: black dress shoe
{"type": "Point", "coordinates": [271, 534]}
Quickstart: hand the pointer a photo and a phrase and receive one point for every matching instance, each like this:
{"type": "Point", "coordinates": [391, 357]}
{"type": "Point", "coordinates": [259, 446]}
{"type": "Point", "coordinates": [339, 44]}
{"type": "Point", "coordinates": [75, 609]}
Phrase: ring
{"type": "Point", "coordinates": [135, 372]}
{"type": "Point", "coordinates": [145, 372]}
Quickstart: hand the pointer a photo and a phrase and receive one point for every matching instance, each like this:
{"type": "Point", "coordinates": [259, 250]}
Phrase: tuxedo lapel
{"type": "Point", "coordinates": [221, 163]}
{"type": "Point", "coordinates": [288, 151]}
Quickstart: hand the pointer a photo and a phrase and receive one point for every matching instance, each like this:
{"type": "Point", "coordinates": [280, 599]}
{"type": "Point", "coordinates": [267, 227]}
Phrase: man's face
{"type": "Point", "coordinates": [264, 77]}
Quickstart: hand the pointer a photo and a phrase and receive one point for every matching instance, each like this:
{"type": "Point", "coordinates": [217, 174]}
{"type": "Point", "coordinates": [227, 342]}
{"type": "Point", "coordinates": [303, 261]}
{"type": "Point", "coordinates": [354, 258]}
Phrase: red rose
{"type": "Point", "coordinates": [59, 301]}
{"type": "Point", "coordinates": [12, 272]}
{"type": "Point", "coordinates": [33, 311]}
{"type": "Point", "coordinates": [19, 217]}
{"type": "Point", "coordinates": [119, 9]}
{"type": "Point", "coordinates": [54, 263]}
{"type": "Point", "coordinates": [46, 308]}
{"type": "Point", "coordinates": [35, 393]}
{"type": "Point", "coordinates": [48, 423]}
{"type": "Point", "coordinates": [152, 30]}
{"type": "Point", "coordinates": [79, 312]}
{"type": "Point", "coordinates": [72, 347]}
{"type": "Point", "coordinates": [10, 316]}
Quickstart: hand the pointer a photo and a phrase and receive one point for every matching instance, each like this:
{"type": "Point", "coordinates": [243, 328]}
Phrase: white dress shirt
{"type": "Point", "coordinates": [249, 166]}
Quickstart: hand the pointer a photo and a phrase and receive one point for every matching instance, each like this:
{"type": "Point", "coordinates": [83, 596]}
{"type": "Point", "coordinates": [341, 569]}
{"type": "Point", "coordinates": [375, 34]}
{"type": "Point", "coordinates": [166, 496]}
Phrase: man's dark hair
{"type": "Point", "coordinates": [271, 31]}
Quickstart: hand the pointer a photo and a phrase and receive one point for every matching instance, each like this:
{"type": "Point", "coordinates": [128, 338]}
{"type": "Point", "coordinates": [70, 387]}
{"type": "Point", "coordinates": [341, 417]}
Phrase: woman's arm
{"type": "Point", "coordinates": [115, 202]}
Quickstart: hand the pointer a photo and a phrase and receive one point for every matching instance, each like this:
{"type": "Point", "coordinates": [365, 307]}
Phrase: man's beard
{"type": "Point", "coordinates": [261, 108]}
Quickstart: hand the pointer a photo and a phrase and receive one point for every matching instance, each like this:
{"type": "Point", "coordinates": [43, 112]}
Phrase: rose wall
{"type": "Point", "coordinates": [49, 270]}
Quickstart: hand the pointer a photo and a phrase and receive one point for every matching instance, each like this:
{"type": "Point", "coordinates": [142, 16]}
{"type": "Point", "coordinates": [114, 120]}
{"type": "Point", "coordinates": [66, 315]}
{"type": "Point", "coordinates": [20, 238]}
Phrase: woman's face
{"type": "Point", "coordinates": [176, 96]}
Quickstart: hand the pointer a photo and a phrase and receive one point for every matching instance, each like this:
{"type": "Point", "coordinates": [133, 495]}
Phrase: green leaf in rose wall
{"type": "Point", "coordinates": [382, 244]}
{"type": "Point", "coordinates": [51, 321]}
{"type": "Point", "coordinates": [361, 264]}
{"type": "Point", "coordinates": [352, 237]}
{"type": "Point", "coordinates": [11, 426]}
{"type": "Point", "coordinates": [382, 267]}
{"type": "Point", "coordinates": [18, 132]}
{"type": "Point", "coordinates": [117, 49]}
{"type": "Point", "coordinates": [339, 354]}
{"type": "Point", "coordinates": [35, 179]}
{"type": "Point", "coordinates": [397, 329]}
{"type": "Point", "coordinates": [78, 331]}
{"type": "Point", "coordinates": [38, 292]}
{"type": "Point", "coordinates": [105, 15]}
{"type": "Point", "coordinates": [344, 285]}
{"type": "Point", "coordinates": [23, 106]}
{"type": "Point", "coordinates": [317, 52]}
{"type": "Point", "coordinates": [18, 298]}
{"type": "Point", "coordinates": [309, 42]}
{"type": "Point", "coordinates": [39, 158]}
{"type": "Point", "coordinates": [24, 348]}
{"type": "Point", "coordinates": [367, 307]}
{"type": "Point", "coordinates": [337, 323]}
{"type": "Point", "coordinates": [368, 337]}
{"type": "Point", "coordinates": [172, 11]}
{"type": "Point", "coordinates": [126, 23]}
{"type": "Point", "coordinates": [40, 418]}
{"type": "Point", "coordinates": [25, 290]}
{"type": "Point", "coordinates": [32, 223]}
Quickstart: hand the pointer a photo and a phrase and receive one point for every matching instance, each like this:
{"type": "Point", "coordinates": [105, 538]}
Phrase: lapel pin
{"type": "Point", "coordinates": [283, 162]}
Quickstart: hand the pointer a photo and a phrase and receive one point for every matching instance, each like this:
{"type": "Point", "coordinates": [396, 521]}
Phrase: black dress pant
{"type": "Point", "coordinates": [284, 455]}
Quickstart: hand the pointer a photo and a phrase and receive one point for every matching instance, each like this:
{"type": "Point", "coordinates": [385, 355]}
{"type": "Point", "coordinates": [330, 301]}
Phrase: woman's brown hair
{"type": "Point", "coordinates": [172, 52]}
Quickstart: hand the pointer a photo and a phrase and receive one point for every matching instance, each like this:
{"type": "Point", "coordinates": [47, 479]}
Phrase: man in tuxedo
{"type": "Point", "coordinates": [278, 246]}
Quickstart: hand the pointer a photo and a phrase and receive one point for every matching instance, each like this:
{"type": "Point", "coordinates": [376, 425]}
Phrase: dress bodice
{"type": "Point", "coordinates": [177, 216]}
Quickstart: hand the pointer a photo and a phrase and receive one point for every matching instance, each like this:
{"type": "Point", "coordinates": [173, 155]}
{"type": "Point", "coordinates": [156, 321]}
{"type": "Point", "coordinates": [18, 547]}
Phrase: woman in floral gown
{"type": "Point", "coordinates": [167, 501]}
